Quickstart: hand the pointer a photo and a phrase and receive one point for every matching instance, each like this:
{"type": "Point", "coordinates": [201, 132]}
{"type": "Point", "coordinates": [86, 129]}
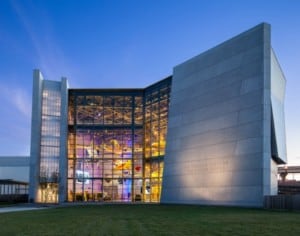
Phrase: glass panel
{"type": "Point", "coordinates": [50, 146]}
{"type": "Point", "coordinates": [155, 189]}
{"type": "Point", "coordinates": [98, 114]}
{"type": "Point", "coordinates": [71, 168]}
{"type": "Point", "coordinates": [138, 168]}
{"type": "Point", "coordinates": [108, 190]}
{"type": "Point", "coordinates": [71, 110]}
{"type": "Point", "coordinates": [116, 144]}
{"type": "Point", "coordinates": [71, 193]}
{"type": "Point", "coordinates": [108, 110]}
{"type": "Point", "coordinates": [147, 169]}
{"type": "Point", "coordinates": [138, 143]}
{"type": "Point", "coordinates": [147, 190]}
{"type": "Point", "coordinates": [98, 169]}
{"type": "Point", "coordinates": [48, 192]}
{"type": "Point", "coordinates": [138, 190]}
{"type": "Point", "coordinates": [138, 111]}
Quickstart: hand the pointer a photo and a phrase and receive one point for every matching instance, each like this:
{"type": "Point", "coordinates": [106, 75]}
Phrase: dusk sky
{"type": "Point", "coordinates": [129, 44]}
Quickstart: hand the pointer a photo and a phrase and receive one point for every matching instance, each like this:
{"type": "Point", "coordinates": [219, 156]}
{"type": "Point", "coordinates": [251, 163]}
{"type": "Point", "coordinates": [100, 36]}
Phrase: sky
{"type": "Point", "coordinates": [129, 44]}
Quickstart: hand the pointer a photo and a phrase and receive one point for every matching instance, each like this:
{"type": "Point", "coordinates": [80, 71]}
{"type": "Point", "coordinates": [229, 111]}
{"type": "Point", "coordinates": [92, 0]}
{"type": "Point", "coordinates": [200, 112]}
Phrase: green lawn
{"type": "Point", "coordinates": [149, 220]}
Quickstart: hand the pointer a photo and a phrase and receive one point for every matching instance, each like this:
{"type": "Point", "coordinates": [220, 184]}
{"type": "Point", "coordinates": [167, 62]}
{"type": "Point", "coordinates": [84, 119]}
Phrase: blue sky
{"type": "Point", "coordinates": [127, 44]}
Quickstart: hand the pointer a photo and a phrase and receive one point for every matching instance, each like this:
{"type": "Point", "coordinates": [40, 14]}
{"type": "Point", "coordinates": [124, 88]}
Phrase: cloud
{"type": "Point", "coordinates": [50, 58]}
{"type": "Point", "coordinates": [17, 98]}
{"type": "Point", "coordinates": [22, 102]}
{"type": "Point", "coordinates": [15, 116]}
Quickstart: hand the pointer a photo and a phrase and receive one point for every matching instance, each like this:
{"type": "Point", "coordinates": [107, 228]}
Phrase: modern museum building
{"type": "Point", "coordinates": [211, 133]}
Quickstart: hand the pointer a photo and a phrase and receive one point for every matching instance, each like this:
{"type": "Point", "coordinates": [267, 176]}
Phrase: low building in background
{"type": "Point", "coordinates": [14, 167]}
{"type": "Point", "coordinates": [14, 177]}
{"type": "Point", "coordinates": [289, 180]}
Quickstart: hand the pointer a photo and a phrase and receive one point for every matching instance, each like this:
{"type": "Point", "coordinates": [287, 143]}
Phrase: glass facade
{"type": "Point", "coordinates": [116, 143]}
{"type": "Point", "coordinates": [155, 128]}
{"type": "Point", "coordinates": [50, 146]}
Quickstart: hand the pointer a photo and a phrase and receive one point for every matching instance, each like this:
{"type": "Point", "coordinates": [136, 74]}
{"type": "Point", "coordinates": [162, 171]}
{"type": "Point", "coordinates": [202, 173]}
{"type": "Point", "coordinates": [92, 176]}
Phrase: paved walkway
{"type": "Point", "coordinates": [20, 208]}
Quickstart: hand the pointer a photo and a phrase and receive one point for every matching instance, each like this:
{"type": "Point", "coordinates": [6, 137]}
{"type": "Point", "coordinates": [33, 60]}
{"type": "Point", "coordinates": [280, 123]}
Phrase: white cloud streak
{"type": "Point", "coordinates": [50, 59]}
{"type": "Point", "coordinates": [18, 98]}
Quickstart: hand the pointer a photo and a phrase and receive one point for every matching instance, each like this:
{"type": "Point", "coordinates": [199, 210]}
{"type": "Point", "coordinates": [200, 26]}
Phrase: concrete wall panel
{"type": "Point", "coordinates": [218, 141]}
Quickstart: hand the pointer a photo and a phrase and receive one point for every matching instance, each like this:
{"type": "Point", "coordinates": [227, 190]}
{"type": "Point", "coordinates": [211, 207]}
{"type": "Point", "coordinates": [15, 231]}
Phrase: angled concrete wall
{"type": "Point", "coordinates": [219, 131]}
{"type": "Point", "coordinates": [278, 137]}
{"type": "Point", "coordinates": [278, 84]}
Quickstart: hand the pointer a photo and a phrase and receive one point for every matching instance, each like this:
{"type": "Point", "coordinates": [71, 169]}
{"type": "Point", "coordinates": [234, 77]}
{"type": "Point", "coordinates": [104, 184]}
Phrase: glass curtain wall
{"type": "Point", "coordinates": [105, 146]}
{"type": "Point", "coordinates": [49, 155]}
{"type": "Point", "coordinates": [116, 143]}
{"type": "Point", "coordinates": [155, 126]}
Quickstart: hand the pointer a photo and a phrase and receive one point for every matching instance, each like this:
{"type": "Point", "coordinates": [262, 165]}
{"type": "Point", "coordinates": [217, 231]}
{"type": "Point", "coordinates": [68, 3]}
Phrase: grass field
{"type": "Point", "coordinates": [149, 220]}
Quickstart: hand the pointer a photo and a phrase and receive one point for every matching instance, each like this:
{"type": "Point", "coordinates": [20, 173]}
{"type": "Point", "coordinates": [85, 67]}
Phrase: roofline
{"type": "Point", "coordinates": [122, 90]}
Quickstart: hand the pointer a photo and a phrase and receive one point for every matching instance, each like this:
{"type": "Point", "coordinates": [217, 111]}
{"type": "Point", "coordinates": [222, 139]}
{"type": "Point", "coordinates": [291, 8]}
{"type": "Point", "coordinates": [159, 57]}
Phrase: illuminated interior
{"type": "Point", "coordinates": [116, 143]}
{"type": "Point", "coordinates": [49, 150]}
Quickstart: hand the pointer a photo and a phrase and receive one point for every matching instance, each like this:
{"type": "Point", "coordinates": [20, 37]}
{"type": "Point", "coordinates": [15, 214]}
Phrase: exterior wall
{"type": "Point", "coordinates": [16, 168]}
{"type": "Point", "coordinates": [274, 178]}
{"type": "Point", "coordinates": [278, 84]}
{"type": "Point", "coordinates": [225, 136]}
{"type": "Point", "coordinates": [48, 139]}
{"type": "Point", "coordinates": [116, 143]}
{"type": "Point", "coordinates": [219, 143]}
{"type": "Point", "coordinates": [63, 165]}
{"type": "Point", "coordinates": [105, 145]}
{"type": "Point", "coordinates": [35, 147]}
{"type": "Point", "coordinates": [278, 138]}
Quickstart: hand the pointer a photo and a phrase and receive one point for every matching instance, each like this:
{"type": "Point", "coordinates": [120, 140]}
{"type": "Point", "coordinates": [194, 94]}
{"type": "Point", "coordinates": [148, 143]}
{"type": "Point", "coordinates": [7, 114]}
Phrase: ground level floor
{"type": "Point", "coordinates": [104, 189]}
